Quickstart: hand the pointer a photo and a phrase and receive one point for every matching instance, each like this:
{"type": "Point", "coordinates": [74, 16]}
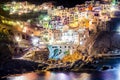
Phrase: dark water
{"type": "Point", "coordinates": [111, 74]}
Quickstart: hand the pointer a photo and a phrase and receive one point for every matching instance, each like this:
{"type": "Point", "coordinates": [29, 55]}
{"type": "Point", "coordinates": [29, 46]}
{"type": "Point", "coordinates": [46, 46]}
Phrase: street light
{"type": "Point", "coordinates": [17, 38]}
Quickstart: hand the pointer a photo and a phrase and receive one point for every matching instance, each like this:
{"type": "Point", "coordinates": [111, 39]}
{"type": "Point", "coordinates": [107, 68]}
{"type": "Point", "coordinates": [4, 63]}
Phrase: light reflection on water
{"type": "Point", "coordinates": [52, 76]}
{"type": "Point", "coordinates": [112, 74]}
{"type": "Point", "coordinates": [107, 75]}
{"type": "Point", "coordinates": [27, 76]}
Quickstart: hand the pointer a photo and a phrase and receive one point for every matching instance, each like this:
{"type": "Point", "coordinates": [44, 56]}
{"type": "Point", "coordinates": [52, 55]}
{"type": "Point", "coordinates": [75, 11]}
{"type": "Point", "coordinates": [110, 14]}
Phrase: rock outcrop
{"type": "Point", "coordinates": [5, 53]}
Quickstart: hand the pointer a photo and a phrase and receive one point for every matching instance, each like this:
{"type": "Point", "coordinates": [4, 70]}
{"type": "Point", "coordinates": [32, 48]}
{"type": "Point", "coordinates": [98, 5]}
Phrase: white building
{"type": "Point", "coordinates": [58, 51]}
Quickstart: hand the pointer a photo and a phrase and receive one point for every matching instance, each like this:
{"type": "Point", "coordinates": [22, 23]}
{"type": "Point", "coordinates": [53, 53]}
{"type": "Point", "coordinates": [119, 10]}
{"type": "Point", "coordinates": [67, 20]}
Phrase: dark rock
{"type": "Point", "coordinates": [5, 53]}
{"type": "Point", "coordinates": [106, 67]}
{"type": "Point", "coordinates": [17, 66]}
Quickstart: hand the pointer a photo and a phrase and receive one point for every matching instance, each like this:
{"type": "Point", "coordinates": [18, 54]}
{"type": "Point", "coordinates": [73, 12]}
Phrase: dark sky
{"type": "Point", "coordinates": [66, 3]}
{"type": "Point", "coordinates": [70, 3]}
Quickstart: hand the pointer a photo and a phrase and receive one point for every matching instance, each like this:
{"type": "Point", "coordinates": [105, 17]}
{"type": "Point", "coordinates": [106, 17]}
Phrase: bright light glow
{"type": "Point", "coordinates": [32, 34]}
{"type": "Point", "coordinates": [21, 26]}
{"type": "Point", "coordinates": [81, 42]}
{"type": "Point", "coordinates": [62, 76]}
{"type": "Point", "coordinates": [25, 29]}
{"type": "Point", "coordinates": [41, 42]}
{"type": "Point", "coordinates": [51, 41]}
{"type": "Point", "coordinates": [35, 41]}
{"type": "Point", "coordinates": [114, 2]}
{"type": "Point", "coordinates": [113, 8]}
{"type": "Point", "coordinates": [73, 25]}
{"type": "Point", "coordinates": [17, 78]}
{"type": "Point", "coordinates": [26, 76]}
{"type": "Point", "coordinates": [84, 36]}
{"type": "Point", "coordinates": [45, 7]}
{"type": "Point", "coordinates": [17, 38]}
{"type": "Point", "coordinates": [70, 32]}
{"type": "Point", "coordinates": [13, 2]}
{"type": "Point", "coordinates": [46, 18]}
{"type": "Point", "coordinates": [118, 28]}
{"type": "Point", "coordinates": [118, 72]}
{"type": "Point", "coordinates": [29, 20]}
{"type": "Point", "coordinates": [85, 76]}
{"type": "Point", "coordinates": [67, 37]}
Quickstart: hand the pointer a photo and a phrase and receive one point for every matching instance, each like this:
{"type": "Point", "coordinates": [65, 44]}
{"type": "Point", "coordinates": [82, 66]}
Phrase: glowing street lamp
{"type": "Point", "coordinates": [17, 38]}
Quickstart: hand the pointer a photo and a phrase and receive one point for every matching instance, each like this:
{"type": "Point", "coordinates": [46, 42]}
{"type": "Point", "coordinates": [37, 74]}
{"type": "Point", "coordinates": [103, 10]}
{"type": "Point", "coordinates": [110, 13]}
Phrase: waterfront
{"type": "Point", "coordinates": [49, 42]}
{"type": "Point", "coordinates": [110, 74]}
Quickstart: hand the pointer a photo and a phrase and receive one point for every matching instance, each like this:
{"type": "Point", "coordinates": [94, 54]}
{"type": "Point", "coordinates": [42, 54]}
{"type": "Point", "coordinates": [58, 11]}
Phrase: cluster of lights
{"type": "Point", "coordinates": [72, 17]}
{"type": "Point", "coordinates": [15, 23]}
{"type": "Point", "coordinates": [8, 22]}
{"type": "Point", "coordinates": [23, 7]}
{"type": "Point", "coordinates": [58, 18]}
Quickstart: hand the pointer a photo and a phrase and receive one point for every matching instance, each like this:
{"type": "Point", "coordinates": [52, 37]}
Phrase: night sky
{"type": "Point", "coordinates": [65, 3]}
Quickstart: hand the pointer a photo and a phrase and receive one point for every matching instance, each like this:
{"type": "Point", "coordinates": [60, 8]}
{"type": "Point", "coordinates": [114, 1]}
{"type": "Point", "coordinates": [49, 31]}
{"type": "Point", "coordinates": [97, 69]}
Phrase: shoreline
{"type": "Point", "coordinates": [17, 67]}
